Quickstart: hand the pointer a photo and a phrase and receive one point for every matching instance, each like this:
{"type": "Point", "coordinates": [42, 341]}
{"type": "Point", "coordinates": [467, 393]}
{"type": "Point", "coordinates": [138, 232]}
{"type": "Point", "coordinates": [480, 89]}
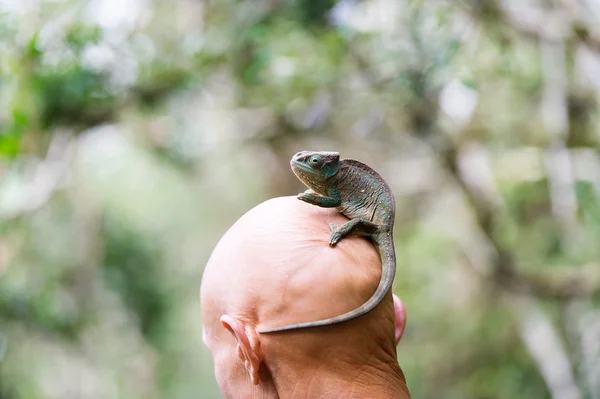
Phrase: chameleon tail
{"type": "Point", "coordinates": [385, 246]}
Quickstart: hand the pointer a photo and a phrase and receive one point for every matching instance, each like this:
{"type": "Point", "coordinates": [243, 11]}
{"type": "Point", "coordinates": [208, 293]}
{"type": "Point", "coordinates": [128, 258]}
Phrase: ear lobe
{"type": "Point", "coordinates": [400, 318]}
{"type": "Point", "coordinates": [248, 345]}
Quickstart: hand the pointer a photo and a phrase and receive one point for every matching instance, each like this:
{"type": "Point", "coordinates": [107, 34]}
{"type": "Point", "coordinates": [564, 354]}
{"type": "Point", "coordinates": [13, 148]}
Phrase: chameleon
{"type": "Point", "coordinates": [361, 195]}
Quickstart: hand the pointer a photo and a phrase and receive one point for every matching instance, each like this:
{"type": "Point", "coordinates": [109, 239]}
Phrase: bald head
{"type": "Point", "coordinates": [274, 267]}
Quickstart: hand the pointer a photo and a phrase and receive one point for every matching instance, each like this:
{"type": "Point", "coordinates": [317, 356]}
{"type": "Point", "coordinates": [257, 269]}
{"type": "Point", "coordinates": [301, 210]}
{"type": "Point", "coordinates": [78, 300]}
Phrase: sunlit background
{"type": "Point", "coordinates": [133, 133]}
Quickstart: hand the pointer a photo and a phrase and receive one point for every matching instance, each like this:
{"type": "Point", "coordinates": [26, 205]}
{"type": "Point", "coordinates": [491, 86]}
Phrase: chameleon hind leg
{"type": "Point", "coordinates": [356, 226]}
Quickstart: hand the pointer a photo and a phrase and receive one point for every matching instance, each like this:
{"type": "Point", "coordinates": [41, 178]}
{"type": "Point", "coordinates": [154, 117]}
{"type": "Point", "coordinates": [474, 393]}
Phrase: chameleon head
{"type": "Point", "coordinates": [314, 167]}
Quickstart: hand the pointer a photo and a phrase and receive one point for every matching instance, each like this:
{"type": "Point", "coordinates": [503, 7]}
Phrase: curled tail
{"type": "Point", "coordinates": [385, 247]}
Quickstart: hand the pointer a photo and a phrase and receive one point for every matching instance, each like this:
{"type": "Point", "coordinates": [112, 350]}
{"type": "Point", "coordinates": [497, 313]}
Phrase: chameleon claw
{"type": "Point", "coordinates": [334, 238]}
{"type": "Point", "coordinates": [332, 226]}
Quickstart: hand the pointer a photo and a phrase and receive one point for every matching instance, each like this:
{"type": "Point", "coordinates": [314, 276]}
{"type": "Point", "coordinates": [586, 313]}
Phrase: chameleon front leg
{"type": "Point", "coordinates": [331, 200]}
{"type": "Point", "coordinates": [356, 226]}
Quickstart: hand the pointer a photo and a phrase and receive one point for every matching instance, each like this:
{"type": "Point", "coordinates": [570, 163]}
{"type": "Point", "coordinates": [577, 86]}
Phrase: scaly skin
{"type": "Point", "coordinates": [360, 194]}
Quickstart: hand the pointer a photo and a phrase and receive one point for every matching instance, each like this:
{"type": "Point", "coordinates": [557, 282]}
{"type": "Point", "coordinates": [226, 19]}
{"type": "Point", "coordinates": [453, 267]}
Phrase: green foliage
{"type": "Point", "coordinates": [73, 94]}
{"type": "Point", "coordinates": [313, 12]}
{"type": "Point", "coordinates": [131, 267]}
{"type": "Point", "coordinates": [10, 138]}
{"type": "Point", "coordinates": [78, 36]}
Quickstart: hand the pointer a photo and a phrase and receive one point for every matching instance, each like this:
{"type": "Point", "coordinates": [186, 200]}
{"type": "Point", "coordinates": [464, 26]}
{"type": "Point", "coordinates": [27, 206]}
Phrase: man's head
{"type": "Point", "coordinates": [274, 267]}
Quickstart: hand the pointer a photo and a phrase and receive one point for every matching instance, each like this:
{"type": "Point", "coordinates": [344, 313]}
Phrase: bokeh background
{"type": "Point", "coordinates": [133, 133]}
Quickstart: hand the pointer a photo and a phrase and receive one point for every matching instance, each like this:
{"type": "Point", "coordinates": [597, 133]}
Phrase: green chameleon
{"type": "Point", "coordinates": [361, 195]}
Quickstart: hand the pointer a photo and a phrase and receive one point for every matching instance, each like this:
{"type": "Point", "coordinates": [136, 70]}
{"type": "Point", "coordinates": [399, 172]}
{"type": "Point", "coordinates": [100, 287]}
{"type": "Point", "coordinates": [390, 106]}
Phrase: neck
{"type": "Point", "coordinates": [352, 380]}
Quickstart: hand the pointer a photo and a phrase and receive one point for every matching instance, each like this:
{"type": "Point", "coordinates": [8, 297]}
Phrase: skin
{"type": "Point", "coordinates": [361, 195]}
{"type": "Point", "coordinates": [274, 265]}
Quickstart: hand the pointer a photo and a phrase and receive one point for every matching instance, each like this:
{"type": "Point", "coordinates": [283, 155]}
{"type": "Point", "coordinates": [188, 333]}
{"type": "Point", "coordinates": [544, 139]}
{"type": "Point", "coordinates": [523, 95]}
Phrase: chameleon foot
{"type": "Point", "coordinates": [334, 238]}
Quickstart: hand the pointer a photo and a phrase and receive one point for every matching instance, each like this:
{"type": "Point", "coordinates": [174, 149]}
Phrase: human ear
{"type": "Point", "coordinates": [400, 318]}
{"type": "Point", "coordinates": [248, 345]}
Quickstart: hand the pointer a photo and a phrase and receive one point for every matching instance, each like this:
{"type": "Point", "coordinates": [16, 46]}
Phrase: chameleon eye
{"type": "Point", "coordinates": [314, 160]}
